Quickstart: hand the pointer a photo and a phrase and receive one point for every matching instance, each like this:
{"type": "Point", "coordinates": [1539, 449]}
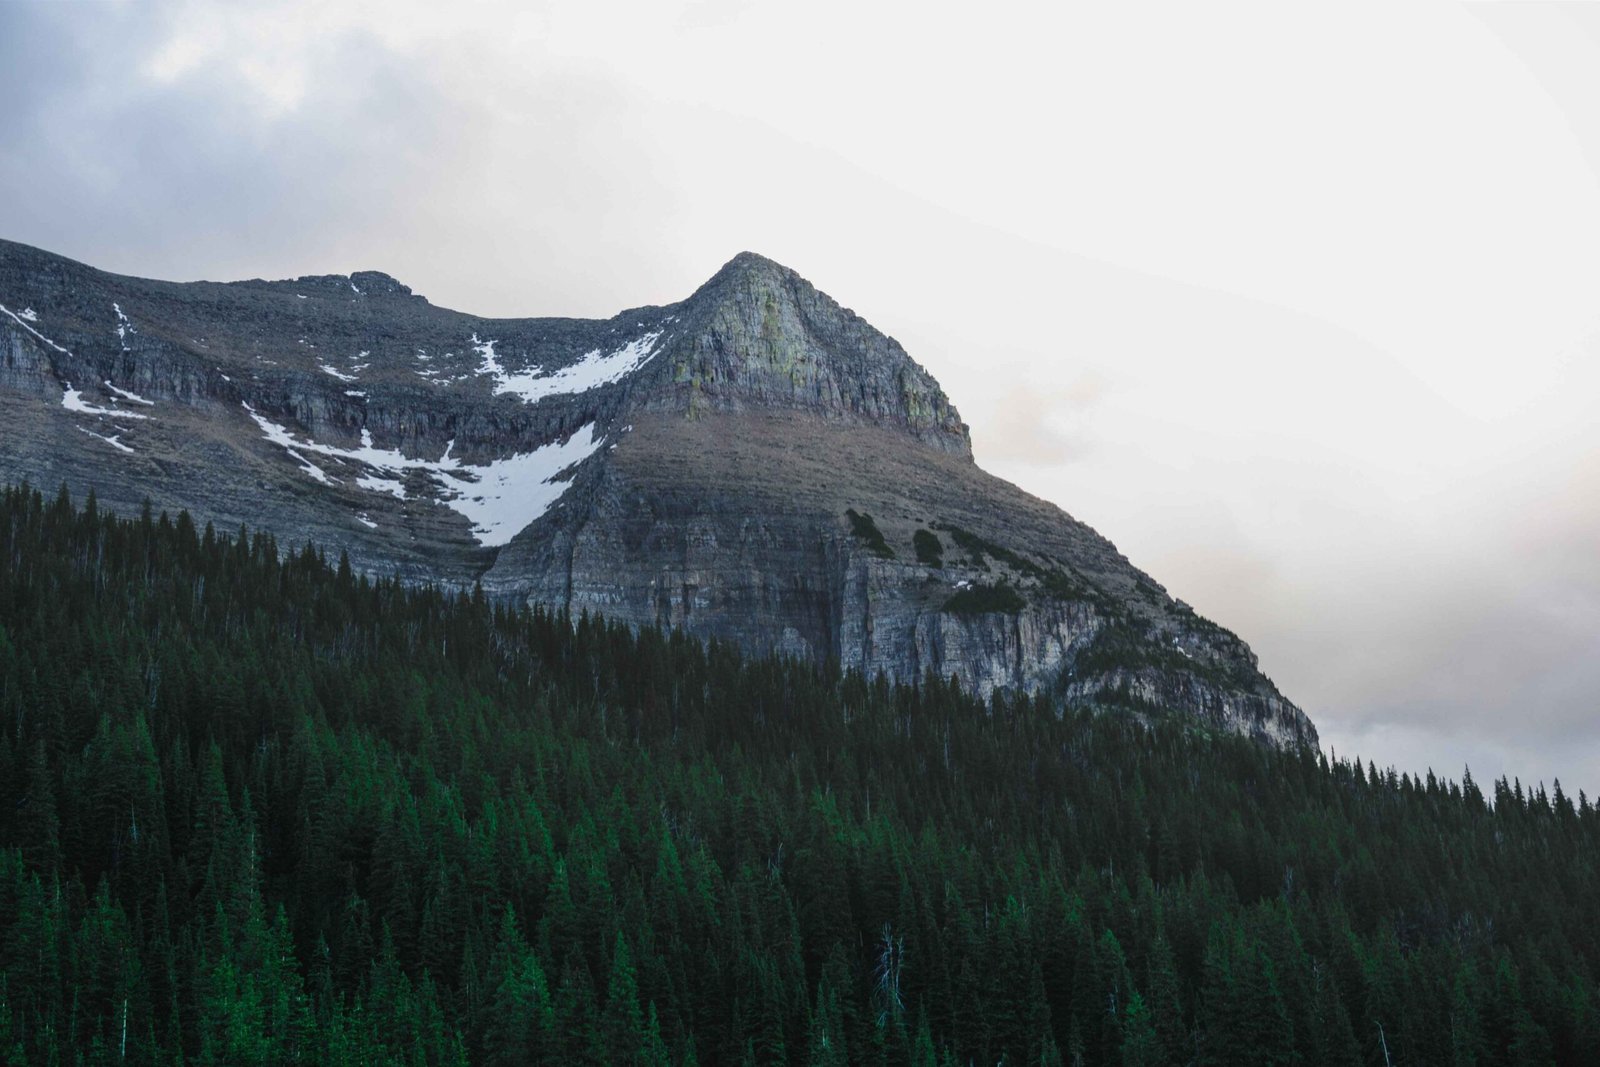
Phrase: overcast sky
{"type": "Point", "coordinates": [1301, 308]}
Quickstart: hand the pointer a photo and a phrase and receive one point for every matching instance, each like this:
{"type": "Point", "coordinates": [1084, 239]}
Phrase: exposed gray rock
{"type": "Point", "coordinates": [692, 465]}
{"type": "Point", "coordinates": [757, 336]}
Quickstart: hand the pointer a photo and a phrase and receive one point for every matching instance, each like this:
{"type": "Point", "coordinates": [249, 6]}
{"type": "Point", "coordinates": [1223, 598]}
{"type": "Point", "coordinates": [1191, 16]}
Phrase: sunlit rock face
{"type": "Point", "coordinates": [755, 464]}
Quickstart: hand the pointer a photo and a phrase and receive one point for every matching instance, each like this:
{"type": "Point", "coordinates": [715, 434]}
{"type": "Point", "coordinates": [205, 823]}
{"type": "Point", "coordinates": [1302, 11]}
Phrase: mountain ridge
{"type": "Point", "coordinates": [754, 463]}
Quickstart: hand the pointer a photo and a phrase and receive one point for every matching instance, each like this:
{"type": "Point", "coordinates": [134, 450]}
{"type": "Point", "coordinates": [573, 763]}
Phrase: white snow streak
{"type": "Point", "coordinates": [374, 484]}
{"type": "Point", "coordinates": [485, 350]}
{"type": "Point", "coordinates": [124, 326]}
{"type": "Point", "coordinates": [339, 374]}
{"type": "Point", "coordinates": [592, 371]}
{"type": "Point", "coordinates": [73, 400]}
{"type": "Point", "coordinates": [114, 440]}
{"type": "Point", "coordinates": [126, 395]}
{"type": "Point", "coordinates": [512, 492]}
{"type": "Point", "coordinates": [23, 322]}
{"type": "Point", "coordinates": [499, 498]}
{"type": "Point", "coordinates": [29, 314]}
{"type": "Point", "coordinates": [311, 468]}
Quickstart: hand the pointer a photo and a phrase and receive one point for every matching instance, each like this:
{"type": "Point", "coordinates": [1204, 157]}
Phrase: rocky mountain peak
{"type": "Point", "coordinates": [748, 264]}
{"type": "Point", "coordinates": [755, 463]}
{"type": "Point", "coordinates": [759, 336]}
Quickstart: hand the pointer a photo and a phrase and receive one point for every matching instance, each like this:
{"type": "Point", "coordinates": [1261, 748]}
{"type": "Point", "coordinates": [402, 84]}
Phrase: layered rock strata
{"type": "Point", "coordinates": [754, 463]}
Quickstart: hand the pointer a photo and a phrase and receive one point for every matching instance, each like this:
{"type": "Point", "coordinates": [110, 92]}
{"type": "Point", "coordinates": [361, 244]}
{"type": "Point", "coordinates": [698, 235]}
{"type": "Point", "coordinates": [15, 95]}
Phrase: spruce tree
{"type": "Point", "coordinates": [622, 1031]}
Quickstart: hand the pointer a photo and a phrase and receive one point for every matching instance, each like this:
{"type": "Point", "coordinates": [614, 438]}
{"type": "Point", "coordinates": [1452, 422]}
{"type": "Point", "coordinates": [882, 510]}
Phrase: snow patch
{"type": "Point", "coordinates": [310, 468]}
{"type": "Point", "coordinates": [73, 400]}
{"type": "Point", "coordinates": [488, 363]}
{"type": "Point", "coordinates": [124, 326]}
{"type": "Point", "coordinates": [512, 492]}
{"type": "Point", "coordinates": [362, 518]}
{"type": "Point", "coordinates": [373, 484]}
{"type": "Point", "coordinates": [499, 498]}
{"type": "Point", "coordinates": [33, 316]}
{"type": "Point", "coordinates": [126, 395]}
{"type": "Point", "coordinates": [339, 374]}
{"type": "Point", "coordinates": [354, 392]}
{"type": "Point", "coordinates": [114, 440]}
{"type": "Point", "coordinates": [593, 370]}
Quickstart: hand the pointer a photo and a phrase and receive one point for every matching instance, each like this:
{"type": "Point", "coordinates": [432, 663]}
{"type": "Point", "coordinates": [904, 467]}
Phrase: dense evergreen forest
{"type": "Point", "coordinates": [257, 810]}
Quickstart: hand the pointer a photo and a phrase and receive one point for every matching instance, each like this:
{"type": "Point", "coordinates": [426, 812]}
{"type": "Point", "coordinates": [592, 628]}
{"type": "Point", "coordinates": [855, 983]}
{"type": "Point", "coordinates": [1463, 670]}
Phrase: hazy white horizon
{"type": "Point", "coordinates": [1300, 308]}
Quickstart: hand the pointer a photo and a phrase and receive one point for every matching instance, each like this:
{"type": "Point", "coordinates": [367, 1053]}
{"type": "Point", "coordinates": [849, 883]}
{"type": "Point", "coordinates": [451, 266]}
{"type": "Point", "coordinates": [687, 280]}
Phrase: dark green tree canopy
{"type": "Point", "coordinates": [258, 809]}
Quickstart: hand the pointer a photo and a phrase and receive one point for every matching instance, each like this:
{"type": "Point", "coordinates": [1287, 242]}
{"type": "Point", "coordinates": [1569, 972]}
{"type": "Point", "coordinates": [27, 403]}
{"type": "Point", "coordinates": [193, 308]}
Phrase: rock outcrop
{"type": "Point", "coordinates": [755, 464]}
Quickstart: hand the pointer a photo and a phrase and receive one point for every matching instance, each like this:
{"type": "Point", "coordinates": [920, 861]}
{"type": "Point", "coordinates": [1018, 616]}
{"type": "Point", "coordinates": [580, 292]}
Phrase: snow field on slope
{"type": "Point", "coordinates": [499, 498]}
{"type": "Point", "coordinates": [593, 370]}
{"type": "Point", "coordinates": [73, 400]}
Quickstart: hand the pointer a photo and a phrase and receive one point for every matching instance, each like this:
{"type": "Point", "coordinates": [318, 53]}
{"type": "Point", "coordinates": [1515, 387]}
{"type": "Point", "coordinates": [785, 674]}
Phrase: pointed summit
{"type": "Point", "coordinates": [749, 276]}
{"type": "Point", "coordinates": [752, 262]}
{"type": "Point", "coordinates": [759, 336]}
{"type": "Point", "coordinates": [753, 270]}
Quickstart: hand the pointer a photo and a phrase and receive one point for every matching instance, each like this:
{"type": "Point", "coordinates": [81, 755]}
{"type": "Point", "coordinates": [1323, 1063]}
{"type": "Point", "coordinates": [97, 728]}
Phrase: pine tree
{"type": "Point", "coordinates": [622, 1026]}
{"type": "Point", "coordinates": [38, 827]}
{"type": "Point", "coordinates": [576, 1014]}
{"type": "Point", "coordinates": [826, 1043]}
{"type": "Point", "coordinates": [521, 1025]}
{"type": "Point", "coordinates": [1141, 1046]}
{"type": "Point", "coordinates": [654, 1053]}
{"type": "Point", "coordinates": [1164, 1002]}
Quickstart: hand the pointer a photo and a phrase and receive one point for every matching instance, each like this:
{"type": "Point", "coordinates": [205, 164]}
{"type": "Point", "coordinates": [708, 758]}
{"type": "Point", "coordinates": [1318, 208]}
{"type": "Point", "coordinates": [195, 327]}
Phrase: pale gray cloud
{"type": "Point", "coordinates": [1041, 426]}
{"type": "Point", "coordinates": [1316, 350]}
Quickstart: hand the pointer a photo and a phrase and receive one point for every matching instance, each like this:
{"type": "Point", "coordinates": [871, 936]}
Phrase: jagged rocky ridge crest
{"type": "Point", "coordinates": [754, 463]}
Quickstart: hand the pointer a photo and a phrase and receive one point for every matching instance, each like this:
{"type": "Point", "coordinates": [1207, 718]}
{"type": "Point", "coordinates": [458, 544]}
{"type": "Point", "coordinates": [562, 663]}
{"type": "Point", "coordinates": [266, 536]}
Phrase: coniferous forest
{"type": "Point", "coordinates": [255, 809]}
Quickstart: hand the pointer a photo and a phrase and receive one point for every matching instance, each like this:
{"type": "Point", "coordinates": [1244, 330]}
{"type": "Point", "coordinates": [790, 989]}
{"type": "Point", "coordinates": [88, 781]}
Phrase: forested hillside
{"type": "Point", "coordinates": [257, 810]}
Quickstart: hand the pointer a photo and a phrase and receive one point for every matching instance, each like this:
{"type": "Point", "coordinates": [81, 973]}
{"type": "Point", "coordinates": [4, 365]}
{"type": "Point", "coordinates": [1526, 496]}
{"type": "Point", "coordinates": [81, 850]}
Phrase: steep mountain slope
{"type": "Point", "coordinates": [754, 463]}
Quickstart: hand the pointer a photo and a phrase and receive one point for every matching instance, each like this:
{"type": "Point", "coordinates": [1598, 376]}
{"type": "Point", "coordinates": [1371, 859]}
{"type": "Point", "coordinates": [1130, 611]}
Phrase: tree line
{"type": "Point", "coordinates": [258, 809]}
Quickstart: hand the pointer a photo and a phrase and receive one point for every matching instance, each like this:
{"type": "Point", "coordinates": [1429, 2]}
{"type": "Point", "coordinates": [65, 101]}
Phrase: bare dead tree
{"type": "Point", "coordinates": [886, 976]}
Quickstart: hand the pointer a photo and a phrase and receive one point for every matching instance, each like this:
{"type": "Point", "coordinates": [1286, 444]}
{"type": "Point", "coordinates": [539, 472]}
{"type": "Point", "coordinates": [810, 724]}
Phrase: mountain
{"type": "Point", "coordinates": [754, 464]}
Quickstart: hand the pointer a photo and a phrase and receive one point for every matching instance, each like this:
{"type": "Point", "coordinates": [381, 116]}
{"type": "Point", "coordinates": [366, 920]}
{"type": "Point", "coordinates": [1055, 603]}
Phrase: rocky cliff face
{"type": "Point", "coordinates": [754, 463]}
